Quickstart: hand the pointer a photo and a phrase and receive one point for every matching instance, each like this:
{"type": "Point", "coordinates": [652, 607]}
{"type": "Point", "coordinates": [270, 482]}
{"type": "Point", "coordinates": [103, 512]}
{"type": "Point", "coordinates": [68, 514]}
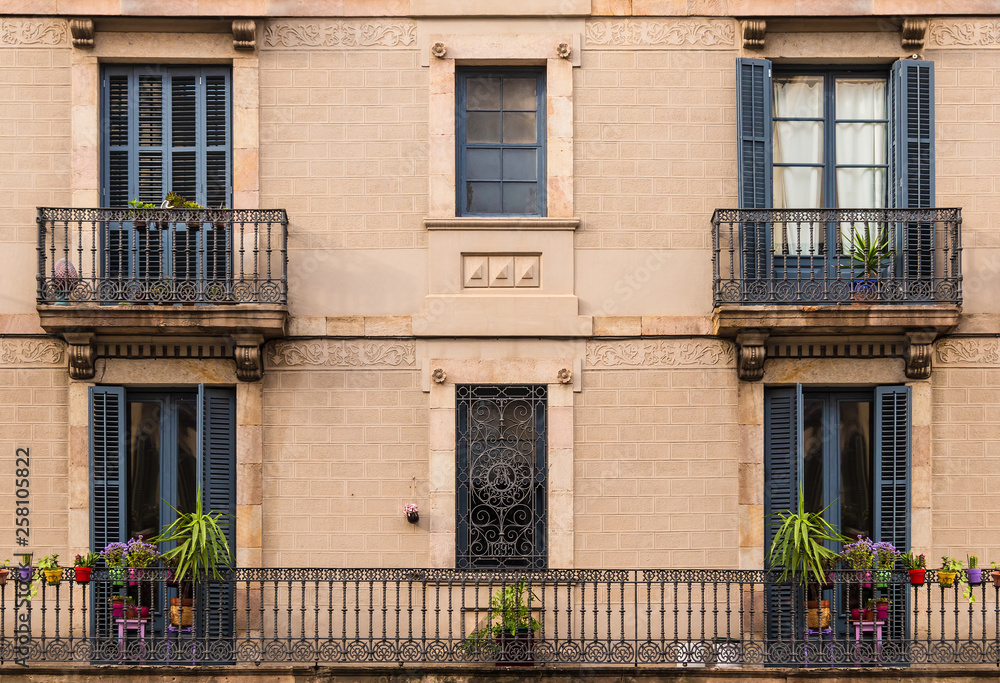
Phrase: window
{"type": "Point", "coordinates": [166, 129]}
{"type": "Point", "coordinates": [501, 142]}
{"type": "Point", "coordinates": [833, 139]}
{"type": "Point", "coordinates": [502, 476]}
{"type": "Point", "coordinates": [849, 450]}
{"type": "Point", "coordinates": [151, 452]}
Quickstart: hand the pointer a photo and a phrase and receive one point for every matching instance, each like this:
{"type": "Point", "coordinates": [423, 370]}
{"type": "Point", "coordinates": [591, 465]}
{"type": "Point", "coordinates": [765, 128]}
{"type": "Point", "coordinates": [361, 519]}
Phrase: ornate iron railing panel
{"type": "Point", "coordinates": [502, 472]}
{"type": "Point", "coordinates": [813, 256]}
{"type": "Point", "coordinates": [162, 256]}
{"type": "Point", "coordinates": [646, 617]}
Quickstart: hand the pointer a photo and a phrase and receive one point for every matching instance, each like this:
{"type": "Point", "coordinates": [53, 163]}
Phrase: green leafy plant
{"type": "Point", "coordinates": [911, 561]}
{"type": "Point", "coordinates": [973, 562]}
{"type": "Point", "coordinates": [89, 560]}
{"type": "Point", "coordinates": [139, 204]}
{"type": "Point", "coordinates": [510, 610]}
{"type": "Point", "coordinates": [175, 201]}
{"type": "Point", "coordinates": [950, 564]}
{"type": "Point", "coordinates": [798, 545]}
{"type": "Point", "coordinates": [48, 562]}
{"type": "Point", "coordinates": [869, 249]}
{"type": "Point", "coordinates": [202, 548]}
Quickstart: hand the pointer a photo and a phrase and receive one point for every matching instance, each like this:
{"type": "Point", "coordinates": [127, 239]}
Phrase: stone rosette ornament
{"type": "Point", "coordinates": [439, 50]}
{"type": "Point", "coordinates": [564, 51]}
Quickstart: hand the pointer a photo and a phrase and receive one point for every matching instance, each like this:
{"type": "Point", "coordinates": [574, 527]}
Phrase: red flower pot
{"type": "Point", "coordinates": [917, 577]}
{"type": "Point", "coordinates": [82, 574]}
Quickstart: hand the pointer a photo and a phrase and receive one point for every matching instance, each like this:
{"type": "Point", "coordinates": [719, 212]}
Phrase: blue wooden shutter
{"type": "Point", "coordinates": [753, 122]}
{"type": "Point", "coordinates": [107, 488]}
{"type": "Point", "coordinates": [217, 459]}
{"type": "Point", "coordinates": [892, 486]}
{"type": "Point", "coordinates": [782, 465]}
{"type": "Point", "coordinates": [911, 158]}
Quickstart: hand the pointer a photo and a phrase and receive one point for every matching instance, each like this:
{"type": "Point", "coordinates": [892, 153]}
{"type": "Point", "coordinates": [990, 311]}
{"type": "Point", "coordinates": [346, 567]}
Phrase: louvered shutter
{"type": "Point", "coordinates": [107, 489]}
{"type": "Point", "coordinates": [911, 160]}
{"type": "Point", "coordinates": [782, 464]}
{"type": "Point", "coordinates": [217, 458]}
{"type": "Point", "coordinates": [892, 490]}
{"type": "Point", "coordinates": [753, 121]}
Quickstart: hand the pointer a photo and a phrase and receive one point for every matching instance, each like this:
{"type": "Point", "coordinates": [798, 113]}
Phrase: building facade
{"type": "Point", "coordinates": [597, 284]}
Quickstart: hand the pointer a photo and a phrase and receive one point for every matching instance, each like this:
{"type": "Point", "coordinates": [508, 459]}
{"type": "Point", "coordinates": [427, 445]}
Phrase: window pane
{"type": "Point", "coordinates": [519, 93]}
{"type": "Point", "coordinates": [143, 469]}
{"type": "Point", "coordinates": [482, 164]}
{"type": "Point", "coordinates": [860, 98]}
{"type": "Point", "coordinates": [798, 97]}
{"type": "Point", "coordinates": [520, 127]}
{"type": "Point", "coordinates": [520, 198]}
{"type": "Point", "coordinates": [798, 187]}
{"type": "Point", "coordinates": [482, 92]}
{"type": "Point", "coordinates": [520, 164]}
{"type": "Point", "coordinates": [482, 197]}
{"type": "Point", "coordinates": [482, 127]}
{"type": "Point", "coordinates": [856, 478]}
{"type": "Point", "coordinates": [812, 446]}
{"type": "Point", "coordinates": [187, 455]}
{"type": "Point", "coordinates": [861, 188]}
{"type": "Point", "coordinates": [861, 143]}
{"type": "Point", "coordinates": [798, 142]}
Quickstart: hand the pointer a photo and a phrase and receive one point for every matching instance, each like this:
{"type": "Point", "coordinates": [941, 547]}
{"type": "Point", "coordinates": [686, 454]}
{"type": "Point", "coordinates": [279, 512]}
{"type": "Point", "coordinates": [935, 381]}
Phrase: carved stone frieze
{"type": "Point", "coordinates": [22, 351]}
{"type": "Point", "coordinates": [244, 34]}
{"type": "Point", "coordinates": [342, 354]}
{"type": "Point", "coordinates": [660, 353]}
{"type": "Point", "coordinates": [968, 352]}
{"type": "Point", "coordinates": [965, 33]}
{"type": "Point", "coordinates": [33, 32]}
{"type": "Point", "coordinates": [82, 31]}
{"type": "Point", "coordinates": [305, 34]}
{"type": "Point", "coordinates": [676, 33]}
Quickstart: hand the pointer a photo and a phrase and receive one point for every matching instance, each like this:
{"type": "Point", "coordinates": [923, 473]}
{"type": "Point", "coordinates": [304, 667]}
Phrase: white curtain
{"type": "Point", "coordinates": [798, 142]}
{"type": "Point", "coordinates": [860, 143]}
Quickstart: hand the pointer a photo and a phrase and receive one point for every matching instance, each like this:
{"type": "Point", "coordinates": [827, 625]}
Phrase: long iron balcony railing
{"type": "Point", "coordinates": [550, 617]}
{"type": "Point", "coordinates": [162, 256]}
{"type": "Point", "coordinates": [830, 256]}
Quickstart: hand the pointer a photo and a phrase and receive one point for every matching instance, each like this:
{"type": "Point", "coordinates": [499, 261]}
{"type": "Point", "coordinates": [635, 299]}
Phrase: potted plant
{"type": "Point", "coordinates": [138, 222]}
{"type": "Point", "coordinates": [24, 569]}
{"type": "Point", "coordinates": [117, 606]}
{"type": "Point", "coordinates": [507, 637]}
{"type": "Point", "coordinates": [412, 514]}
{"type": "Point", "coordinates": [975, 574]}
{"type": "Point", "coordinates": [948, 571]}
{"type": "Point", "coordinates": [916, 565]}
{"type": "Point", "coordinates": [869, 248]}
{"type": "Point", "coordinates": [799, 549]}
{"type": "Point", "coordinates": [112, 556]}
{"type": "Point", "coordinates": [138, 555]}
{"type": "Point", "coordinates": [861, 556]}
{"type": "Point", "coordinates": [175, 201]}
{"type": "Point", "coordinates": [885, 560]}
{"type": "Point", "coordinates": [995, 574]}
{"type": "Point", "coordinates": [882, 608]}
{"type": "Point", "coordinates": [49, 566]}
{"type": "Point", "coordinates": [83, 565]}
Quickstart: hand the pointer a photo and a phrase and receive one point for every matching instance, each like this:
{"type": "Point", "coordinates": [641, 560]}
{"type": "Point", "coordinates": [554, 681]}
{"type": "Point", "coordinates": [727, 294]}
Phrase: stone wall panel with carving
{"type": "Point", "coordinates": [339, 34]}
{"type": "Point", "coordinates": [31, 352]}
{"type": "Point", "coordinates": [33, 32]}
{"type": "Point", "coordinates": [312, 354]}
{"type": "Point", "coordinates": [959, 352]}
{"type": "Point", "coordinates": [663, 353]}
{"type": "Point", "coordinates": [668, 33]}
{"type": "Point", "coordinates": [964, 33]}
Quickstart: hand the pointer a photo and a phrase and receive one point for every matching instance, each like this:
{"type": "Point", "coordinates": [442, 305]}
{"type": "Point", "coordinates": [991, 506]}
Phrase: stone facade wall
{"type": "Point", "coordinates": [344, 448]}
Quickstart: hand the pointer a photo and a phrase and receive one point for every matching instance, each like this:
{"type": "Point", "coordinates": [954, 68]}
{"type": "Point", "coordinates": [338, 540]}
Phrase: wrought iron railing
{"type": "Point", "coordinates": [814, 256]}
{"type": "Point", "coordinates": [162, 256]}
{"type": "Point", "coordinates": [423, 616]}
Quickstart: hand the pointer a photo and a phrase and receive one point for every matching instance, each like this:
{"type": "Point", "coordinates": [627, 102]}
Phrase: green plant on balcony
{"type": "Point", "coordinates": [507, 636]}
{"type": "Point", "coordinates": [799, 544]}
{"type": "Point", "coordinates": [201, 548]}
{"type": "Point", "coordinates": [870, 249]}
{"type": "Point", "coordinates": [176, 201]}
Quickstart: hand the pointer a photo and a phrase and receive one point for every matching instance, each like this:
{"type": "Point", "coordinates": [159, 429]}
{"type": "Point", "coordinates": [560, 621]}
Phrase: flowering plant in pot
{"type": "Point", "coordinates": [916, 565]}
{"type": "Point", "coordinates": [885, 560]}
{"type": "Point", "coordinates": [138, 555]}
{"type": "Point", "coordinates": [83, 565]}
{"type": "Point", "coordinates": [412, 514]}
{"type": "Point", "coordinates": [861, 556]}
{"type": "Point", "coordinates": [112, 555]}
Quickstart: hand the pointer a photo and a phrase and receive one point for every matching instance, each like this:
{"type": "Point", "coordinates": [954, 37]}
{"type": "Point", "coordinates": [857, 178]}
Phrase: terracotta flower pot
{"type": "Point", "coordinates": [4, 572]}
{"type": "Point", "coordinates": [996, 579]}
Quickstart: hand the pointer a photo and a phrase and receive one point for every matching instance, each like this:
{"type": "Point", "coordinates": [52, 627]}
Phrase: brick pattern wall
{"type": "Point", "coordinates": [654, 146]}
{"type": "Point", "coordinates": [344, 450]}
{"type": "Point", "coordinates": [344, 146]}
{"type": "Point", "coordinates": [656, 468]}
{"type": "Point", "coordinates": [965, 462]}
{"type": "Point", "coordinates": [34, 415]}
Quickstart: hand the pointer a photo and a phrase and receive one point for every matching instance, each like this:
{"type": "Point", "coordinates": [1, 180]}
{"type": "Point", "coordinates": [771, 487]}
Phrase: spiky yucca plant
{"type": "Point", "coordinates": [798, 544]}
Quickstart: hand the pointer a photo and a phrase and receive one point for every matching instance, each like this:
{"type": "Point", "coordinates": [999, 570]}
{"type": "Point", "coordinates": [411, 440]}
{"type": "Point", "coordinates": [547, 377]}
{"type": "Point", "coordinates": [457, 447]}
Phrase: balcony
{"type": "Point", "coordinates": [788, 272]}
{"type": "Point", "coordinates": [125, 273]}
{"type": "Point", "coordinates": [580, 618]}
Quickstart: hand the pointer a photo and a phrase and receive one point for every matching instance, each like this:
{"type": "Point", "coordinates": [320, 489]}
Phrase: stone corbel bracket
{"type": "Point", "coordinates": [918, 354]}
{"type": "Point", "coordinates": [249, 363]}
{"type": "Point", "coordinates": [81, 354]}
{"type": "Point", "coordinates": [754, 31]}
{"type": "Point", "coordinates": [245, 34]}
{"type": "Point", "coordinates": [82, 32]}
{"type": "Point", "coordinates": [913, 34]}
{"type": "Point", "coordinates": [750, 362]}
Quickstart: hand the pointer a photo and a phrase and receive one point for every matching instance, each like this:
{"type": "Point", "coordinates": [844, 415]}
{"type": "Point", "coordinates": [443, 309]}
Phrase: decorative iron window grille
{"type": "Point", "coordinates": [501, 471]}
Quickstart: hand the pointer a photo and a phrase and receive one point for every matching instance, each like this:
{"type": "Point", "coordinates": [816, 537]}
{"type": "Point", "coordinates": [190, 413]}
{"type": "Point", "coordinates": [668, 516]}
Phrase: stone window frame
{"type": "Point", "coordinates": [501, 50]}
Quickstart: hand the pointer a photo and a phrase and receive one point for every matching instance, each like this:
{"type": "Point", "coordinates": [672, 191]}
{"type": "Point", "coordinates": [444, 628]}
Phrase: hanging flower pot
{"type": "Point", "coordinates": [917, 577]}
{"type": "Point", "coordinates": [24, 574]}
{"type": "Point", "coordinates": [4, 572]}
{"type": "Point", "coordinates": [53, 576]}
{"type": "Point", "coordinates": [946, 579]}
{"type": "Point", "coordinates": [82, 574]}
{"type": "Point", "coordinates": [996, 579]}
{"type": "Point", "coordinates": [882, 577]}
{"type": "Point", "coordinates": [975, 576]}
{"type": "Point", "coordinates": [117, 575]}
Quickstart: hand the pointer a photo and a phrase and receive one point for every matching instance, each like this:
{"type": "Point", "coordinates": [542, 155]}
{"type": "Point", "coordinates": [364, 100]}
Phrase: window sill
{"type": "Point", "coordinates": [502, 223]}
